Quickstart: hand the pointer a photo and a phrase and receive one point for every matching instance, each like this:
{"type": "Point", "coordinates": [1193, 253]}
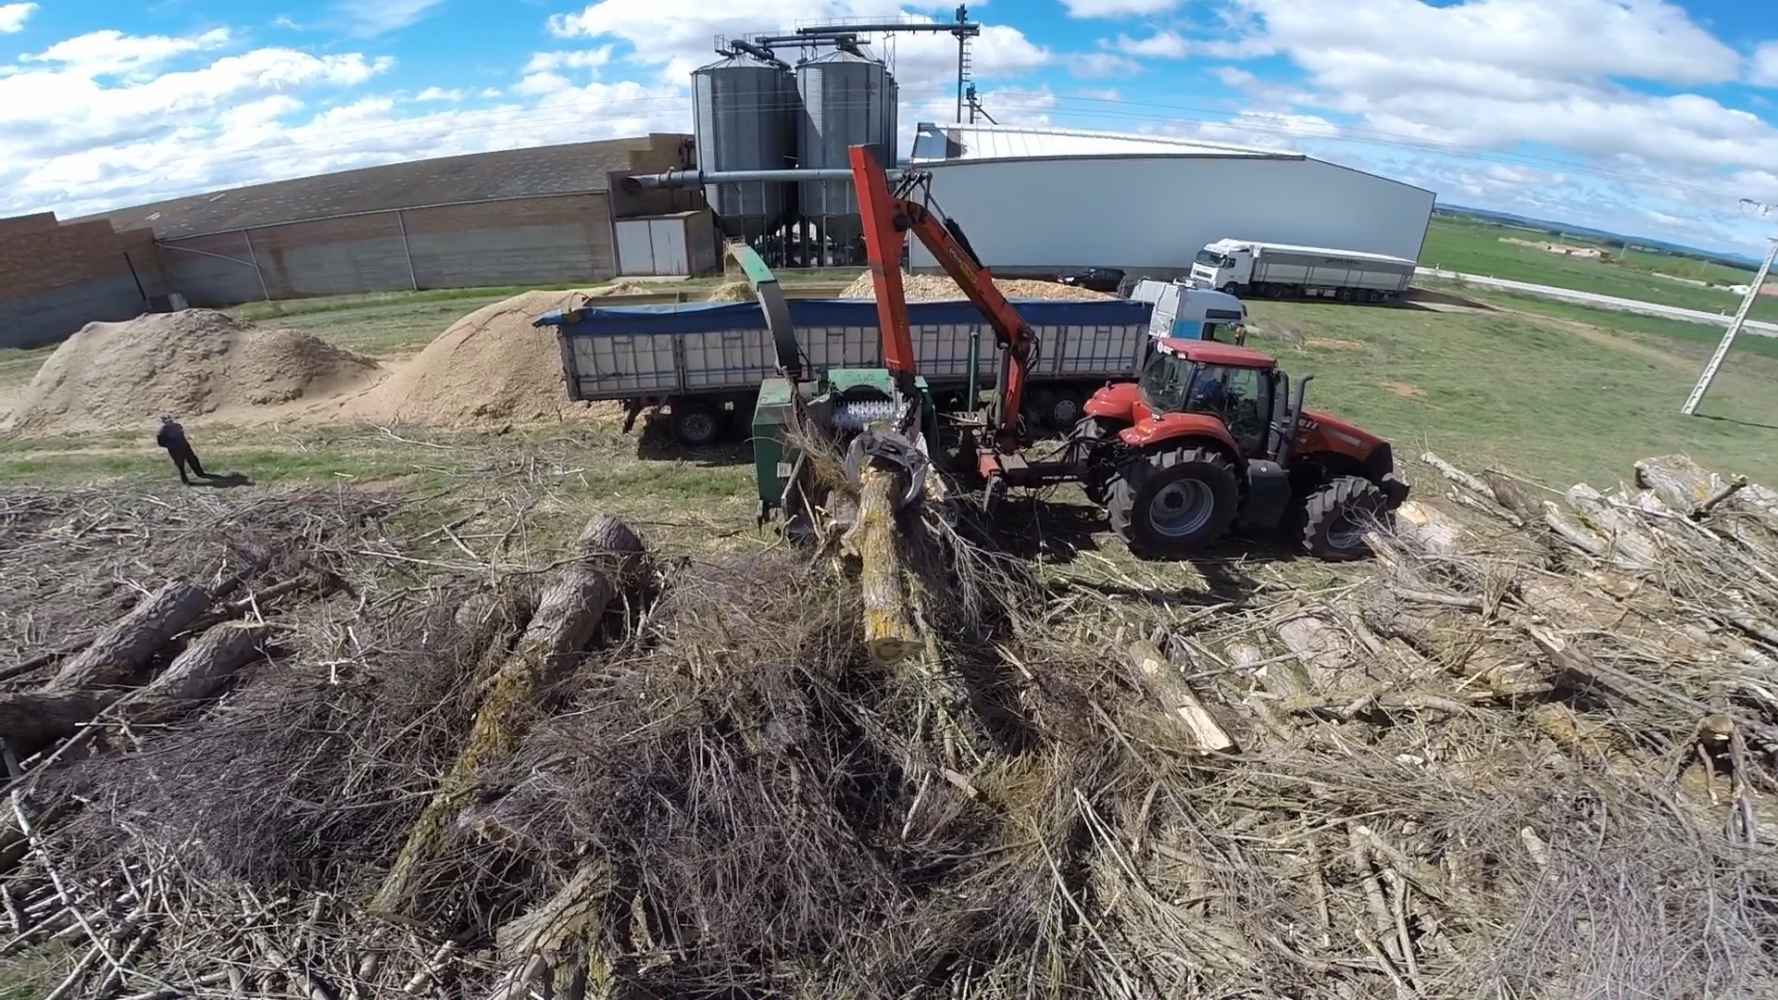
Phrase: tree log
{"type": "Point", "coordinates": [1458, 476]}
{"type": "Point", "coordinates": [32, 720]}
{"type": "Point", "coordinates": [195, 674]}
{"type": "Point", "coordinates": [611, 562]}
{"type": "Point", "coordinates": [126, 647]}
{"type": "Point", "coordinates": [1628, 542]}
{"type": "Point", "coordinates": [888, 630]}
{"type": "Point", "coordinates": [1323, 650]}
{"type": "Point", "coordinates": [1164, 684]}
{"type": "Point", "coordinates": [558, 930]}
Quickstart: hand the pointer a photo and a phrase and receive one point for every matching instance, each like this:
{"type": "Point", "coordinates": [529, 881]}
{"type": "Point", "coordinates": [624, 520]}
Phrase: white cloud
{"type": "Point", "coordinates": [677, 34]}
{"type": "Point", "coordinates": [1100, 94]}
{"type": "Point", "coordinates": [288, 23]}
{"type": "Point", "coordinates": [1763, 70]}
{"type": "Point", "coordinates": [369, 18]}
{"type": "Point", "coordinates": [1117, 8]}
{"type": "Point", "coordinates": [1160, 45]}
{"type": "Point", "coordinates": [491, 92]}
{"type": "Point", "coordinates": [111, 52]}
{"type": "Point", "coordinates": [451, 96]}
{"type": "Point", "coordinates": [14, 15]}
{"type": "Point", "coordinates": [1234, 78]}
{"type": "Point", "coordinates": [1577, 39]}
{"type": "Point", "coordinates": [1099, 65]}
{"type": "Point", "coordinates": [545, 62]}
{"type": "Point", "coordinates": [539, 84]}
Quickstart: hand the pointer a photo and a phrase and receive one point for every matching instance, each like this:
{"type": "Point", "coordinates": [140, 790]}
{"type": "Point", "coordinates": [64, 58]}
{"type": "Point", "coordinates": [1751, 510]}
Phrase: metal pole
{"type": "Point", "coordinates": [253, 257]}
{"type": "Point", "coordinates": [975, 360]}
{"type": "Point", "coordinates": [961, 42]}
{"type": "Point", "coordinates": [407, 250]}
{"type": "Point", "coordinates": [1722, 349]}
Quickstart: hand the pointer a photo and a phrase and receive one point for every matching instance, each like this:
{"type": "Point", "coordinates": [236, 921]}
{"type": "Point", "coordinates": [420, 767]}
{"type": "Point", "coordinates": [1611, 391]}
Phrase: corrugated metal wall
{"type": "Point", "coordinates": [1153, 213]}
{"type": "Point", "coordinates": [561, 238]}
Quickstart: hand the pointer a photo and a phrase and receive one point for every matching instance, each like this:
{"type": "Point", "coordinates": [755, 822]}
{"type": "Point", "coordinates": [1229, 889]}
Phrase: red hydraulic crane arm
{"type": "Point", "coordinates": [885, 218]}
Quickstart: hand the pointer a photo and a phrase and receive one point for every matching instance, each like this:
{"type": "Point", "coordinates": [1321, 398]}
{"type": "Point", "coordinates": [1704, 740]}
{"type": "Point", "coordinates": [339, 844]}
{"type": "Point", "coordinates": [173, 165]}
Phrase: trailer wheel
{"type": "Point", "coordinates": [1336, 516]}
{"type": "Point", "coordinates": [1064, 409]}
{"type": "Point", "coordinates": [696, 424]}
{"type": "Point", "coordinates": [1174, 502]}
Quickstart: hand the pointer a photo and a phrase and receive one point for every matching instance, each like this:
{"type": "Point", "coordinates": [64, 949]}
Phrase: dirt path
{"type": "Point", "coordinates": [1605, 338]}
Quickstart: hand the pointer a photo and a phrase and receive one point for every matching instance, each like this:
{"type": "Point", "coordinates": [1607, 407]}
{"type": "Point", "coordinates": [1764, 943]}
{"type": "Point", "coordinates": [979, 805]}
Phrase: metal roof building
{"type": "Point", "coordinates": [1041, 199]}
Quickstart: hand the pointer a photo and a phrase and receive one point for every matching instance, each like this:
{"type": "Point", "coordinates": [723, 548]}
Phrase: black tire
{"type": "Point", "coordinates": [1174, 502]}
{"type": "Point", "coordinates": [1336, 516]}
{"type": "Point", "coordinates": [1039, 402]}
{"type": "Point", "coordinates": [696, 424]}
{"type": "Point", "coordinates": [1064, 408]}
{"type": "Point", "coordinates": [1097, 480]}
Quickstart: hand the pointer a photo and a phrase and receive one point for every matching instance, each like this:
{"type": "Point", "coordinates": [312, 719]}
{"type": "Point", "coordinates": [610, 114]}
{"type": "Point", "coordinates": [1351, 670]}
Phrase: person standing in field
{"type": "Point", "coordinates": [172, 438]}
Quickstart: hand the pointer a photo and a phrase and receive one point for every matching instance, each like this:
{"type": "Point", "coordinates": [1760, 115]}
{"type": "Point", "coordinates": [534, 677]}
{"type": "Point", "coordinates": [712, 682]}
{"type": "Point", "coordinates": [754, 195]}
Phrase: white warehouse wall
{"type": "Point", "coordinates": [1155, 212]}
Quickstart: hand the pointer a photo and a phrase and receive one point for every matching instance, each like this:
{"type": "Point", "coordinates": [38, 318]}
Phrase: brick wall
{"type": "Point", "coordinates": [55, 278]}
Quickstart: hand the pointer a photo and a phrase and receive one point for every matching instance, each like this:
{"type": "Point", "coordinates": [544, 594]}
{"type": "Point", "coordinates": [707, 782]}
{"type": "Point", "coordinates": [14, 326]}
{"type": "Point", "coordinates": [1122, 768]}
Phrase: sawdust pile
{"type": "Point", "coordinates": [196, 362]}
{"type": "Point", "coordinates": [940, 288]}
{"type": "Point", "coordinates": [732, 291]}
{"type": "Point", "coordinates": [490, 366]}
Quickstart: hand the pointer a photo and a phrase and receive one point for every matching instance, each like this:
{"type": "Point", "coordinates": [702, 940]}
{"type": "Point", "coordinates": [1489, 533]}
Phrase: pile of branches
{"type": "Point", "coordinates": [1528, 750]}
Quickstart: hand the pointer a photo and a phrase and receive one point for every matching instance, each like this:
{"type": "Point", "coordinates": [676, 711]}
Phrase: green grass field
{"type": "Point", "coordinates": [1554, 391]}
{"type": "Point", "coordinates": [1475, 247]}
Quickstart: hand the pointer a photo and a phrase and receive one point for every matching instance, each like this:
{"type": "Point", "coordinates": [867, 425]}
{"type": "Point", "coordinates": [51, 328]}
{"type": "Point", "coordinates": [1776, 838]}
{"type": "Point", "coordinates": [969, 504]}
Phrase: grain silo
{"type": "Point", "coordinates": [847, 99]}
{"type": "Point", "coordinates": [745, 114]}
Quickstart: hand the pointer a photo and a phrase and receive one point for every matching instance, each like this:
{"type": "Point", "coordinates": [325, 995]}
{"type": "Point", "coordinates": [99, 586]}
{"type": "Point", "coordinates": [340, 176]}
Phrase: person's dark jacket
{"type": "Point", "coordinates": [171, 436]}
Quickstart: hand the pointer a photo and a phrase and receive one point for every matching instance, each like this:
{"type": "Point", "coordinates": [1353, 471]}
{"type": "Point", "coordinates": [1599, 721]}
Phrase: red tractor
{"type": "Point", "coordinates": [1209, 438]}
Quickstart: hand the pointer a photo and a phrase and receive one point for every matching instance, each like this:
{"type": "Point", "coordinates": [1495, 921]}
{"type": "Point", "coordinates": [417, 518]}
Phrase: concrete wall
{"type": "Point", "coordinates": [513, 242]}
{"type": "Point", "coordinates": [1152, 213]}
{"type": "Point", "coordinates": [56, 278]}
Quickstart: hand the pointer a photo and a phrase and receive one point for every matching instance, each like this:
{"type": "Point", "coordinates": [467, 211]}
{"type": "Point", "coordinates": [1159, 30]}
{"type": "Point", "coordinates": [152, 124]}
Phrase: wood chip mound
{"type": "Point", "coordinates": [196, 362]}
{"type": "Point", "coordinates": [940, 288]}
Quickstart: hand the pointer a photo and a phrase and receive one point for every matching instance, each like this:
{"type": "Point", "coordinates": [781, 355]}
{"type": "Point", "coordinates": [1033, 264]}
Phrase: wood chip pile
{"type": "Point", "coordinates": [1528, 750]}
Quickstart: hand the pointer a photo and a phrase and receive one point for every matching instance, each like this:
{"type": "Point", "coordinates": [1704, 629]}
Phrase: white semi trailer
{"type": "Point", "coordinates": [1278, 270]}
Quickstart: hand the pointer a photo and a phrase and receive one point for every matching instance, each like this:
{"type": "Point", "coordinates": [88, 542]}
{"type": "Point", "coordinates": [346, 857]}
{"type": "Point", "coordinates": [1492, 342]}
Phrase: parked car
{"type": "Point", "coordinates": [1098, 279]}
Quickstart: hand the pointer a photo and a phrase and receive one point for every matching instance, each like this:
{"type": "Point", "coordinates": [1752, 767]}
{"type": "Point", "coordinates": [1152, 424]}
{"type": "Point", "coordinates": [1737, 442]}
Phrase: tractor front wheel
{"type": "Point", "coordinates": [1336, 516]}
{"type": "Point", "coordinates": [1172, 503]}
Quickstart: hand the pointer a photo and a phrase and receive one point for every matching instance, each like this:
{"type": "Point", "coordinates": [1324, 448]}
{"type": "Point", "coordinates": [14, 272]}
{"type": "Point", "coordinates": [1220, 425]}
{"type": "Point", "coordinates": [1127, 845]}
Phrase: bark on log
{"type": "Point", "coordinates": [1458, 476]}
{"type": "Point", "coordinates": [888, 631]}
{"type": "Point", "coordinates": [1164, 684]}
{"type": "Point", "coordinates": [1323, 650]}
{"type": "Point", "coordinates": [1514, 496]}
{"type": "Point", "coordinates": [32, 720]}
{"type": "Point", "coordinates": [195, 674]}
{"type": "Point", "coordinates": [561, 929]}
{"type": "Point", "coordinates": [124, 648]}
{"type": "Point", "coordinates": [1628, 542]}
{"type": "Point", "coordinates": [611, 563]}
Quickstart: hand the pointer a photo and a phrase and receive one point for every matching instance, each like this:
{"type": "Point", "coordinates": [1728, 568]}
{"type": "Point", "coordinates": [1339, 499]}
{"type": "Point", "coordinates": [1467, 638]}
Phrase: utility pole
{"type": "Point", "coordinates": [1728, 339]}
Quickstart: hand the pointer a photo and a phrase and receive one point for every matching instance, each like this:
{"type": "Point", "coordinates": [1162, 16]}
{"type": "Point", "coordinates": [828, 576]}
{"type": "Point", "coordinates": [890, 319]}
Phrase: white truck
{"type": "Point", "coordinates": [1189, 313]}
{"type": "Point", "coordinates": [1279, 270]}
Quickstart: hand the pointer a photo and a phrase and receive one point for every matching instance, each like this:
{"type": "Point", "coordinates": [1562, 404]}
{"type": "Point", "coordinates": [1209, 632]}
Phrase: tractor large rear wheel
{"type": "Point", "coordinates": [1173, 503]}
{"type": "Point", "coordinates": [1336, 516]}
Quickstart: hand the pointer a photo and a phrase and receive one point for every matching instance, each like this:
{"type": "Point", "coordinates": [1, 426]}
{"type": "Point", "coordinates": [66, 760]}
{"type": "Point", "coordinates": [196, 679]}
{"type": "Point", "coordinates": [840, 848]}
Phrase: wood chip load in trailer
{"type": "Point", "coordinates": [707, 360]}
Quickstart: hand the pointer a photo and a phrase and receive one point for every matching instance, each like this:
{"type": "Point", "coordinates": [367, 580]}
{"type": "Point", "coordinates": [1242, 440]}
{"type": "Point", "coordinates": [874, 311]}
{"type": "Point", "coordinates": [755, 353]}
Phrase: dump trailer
{"type": "Point", "coordinates": [1279, 270]}
{"type": "Point", "coordinates": [705, 362]}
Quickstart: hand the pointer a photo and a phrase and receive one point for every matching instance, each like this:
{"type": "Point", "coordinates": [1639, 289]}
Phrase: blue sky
{"type": "Point", "coordinates": [1642, 116]}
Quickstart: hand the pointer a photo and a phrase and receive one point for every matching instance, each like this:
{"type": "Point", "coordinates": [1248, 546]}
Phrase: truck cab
{"type": "Point", "coordinates": [1223, 264]}
{"type": "Point", "coordinates": [1186, 313]}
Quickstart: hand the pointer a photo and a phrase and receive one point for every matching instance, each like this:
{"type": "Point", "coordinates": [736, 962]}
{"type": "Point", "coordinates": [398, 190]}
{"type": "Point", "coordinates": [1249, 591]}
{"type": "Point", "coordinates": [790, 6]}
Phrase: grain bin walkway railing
{"type": "Point", "coordinates": [530, 239]}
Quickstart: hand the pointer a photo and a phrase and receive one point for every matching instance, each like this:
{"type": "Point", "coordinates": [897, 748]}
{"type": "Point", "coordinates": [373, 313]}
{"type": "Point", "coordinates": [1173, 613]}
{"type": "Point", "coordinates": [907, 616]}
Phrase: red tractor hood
{"type": "Point", "coordinates": [1120, 401]}
{"type": "Point", "coordinates": [1323, 432]}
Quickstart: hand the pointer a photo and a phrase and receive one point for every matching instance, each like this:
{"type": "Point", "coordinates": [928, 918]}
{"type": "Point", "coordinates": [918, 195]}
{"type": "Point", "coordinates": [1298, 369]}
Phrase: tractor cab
{"type": "Point", "coordinates": [1237, 386]}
